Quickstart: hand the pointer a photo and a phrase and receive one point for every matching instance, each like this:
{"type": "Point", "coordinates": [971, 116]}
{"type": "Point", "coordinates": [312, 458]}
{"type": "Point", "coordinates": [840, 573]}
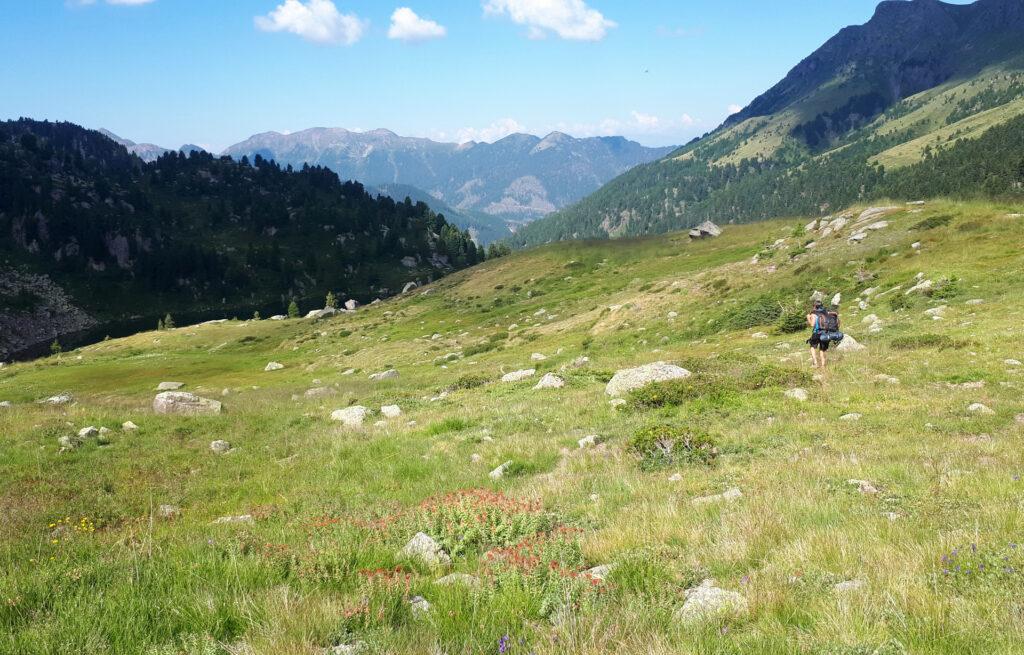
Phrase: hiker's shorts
{"type": "Point", "coordinates": [814, 342]}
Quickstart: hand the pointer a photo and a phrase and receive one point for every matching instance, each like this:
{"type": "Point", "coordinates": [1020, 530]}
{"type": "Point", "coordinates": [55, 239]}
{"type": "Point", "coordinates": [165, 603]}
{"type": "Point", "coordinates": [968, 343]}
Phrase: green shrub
{"type": "Point", "coordinates": [451, 424]}
{"type": "Point", "coordinates": [900, 301]}
{"type": "Point", "coordinates": [947, 288]}
{"type": "Point", "coordinates": [793, 319]}
{"type": "Point", "coordinates": [716, 380]}
{"type": "Point", "coordinates": [921, 341]}
{"type": "Point", "coordinates": [932, 222]}
{"type": "Point", "coordinates": [661, 445]}
{"type": "Point", "coordinates": [469, 381]}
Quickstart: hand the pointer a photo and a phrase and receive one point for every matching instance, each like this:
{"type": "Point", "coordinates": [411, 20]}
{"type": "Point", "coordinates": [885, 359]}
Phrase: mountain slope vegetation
{"type": "Point", "coordinates": [196, 236]}
{"type": "Point", "coordinates": [915, 90]}
{"type": "Point", "coordinates": [876, 512]}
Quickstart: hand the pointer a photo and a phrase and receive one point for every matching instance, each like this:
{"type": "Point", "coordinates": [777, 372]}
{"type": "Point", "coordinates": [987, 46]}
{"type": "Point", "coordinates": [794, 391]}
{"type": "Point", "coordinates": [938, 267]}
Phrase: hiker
{"type": "Point", "coordinates": [824, 325]}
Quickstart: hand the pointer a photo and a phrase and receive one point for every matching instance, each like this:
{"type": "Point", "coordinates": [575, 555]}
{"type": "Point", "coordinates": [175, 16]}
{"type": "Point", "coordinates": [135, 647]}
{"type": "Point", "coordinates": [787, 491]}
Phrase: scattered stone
{"type": "Point", "coordinates": [936, 311]}
{"type": "Point", "coordinates": [870, 318]}
{"type": "Point", "coordinates": [1019, 419]}
{"type": "Point", "coordinates": [800, 395]}
{"type": "Point", "coordinates": [67, 443]}
{"type": "Point", "coordinates": [600, 572]}
{"type": "Point", "coordinates": [922, 286]}
{"type": "Point", "coordinates": [975, 302]}
{"type": "Point", "coordinates": [979, 408]}
{"type": "Point", "coordinates": [220, 446]}
{"type": "Point", "coordinates": [88, 433]}
{"type": "Point", "coordinates": [676, 477]}
{"type": "Point", "coordinates": [538, 357]}
{"type": "Point", "coordinates": [887, 379]}
{"type": "Point", "coordinates": [185, 404]}
{"type": "Point", "coordinates": [169, 386]}
{"type": "Point", "coordinates": [627, 380]}
{"type": "Point", "coordinates": [673, 314]}
{"type": "Point", "coordinates": [59, 399]}
{"type": "Point", "coordinates": [874, 212]}
{"type": "Point", "coordinates": [550, 381]}
{"type": "Point", "coordinates": [519, 376]}
{"type": "Point", "coordinates": [390, 374]}
{"type": "Point", "coordinates": [320, 392]}
{"type": "Point", "coordinates": [499, 472]}
{"type": "Point", "coordinates": [476, 458]}
{"type": "Point", "coordinates": [278, 317]}
{"type": "Point", "coordinates": [710, 603]}
{"type": "Point", "coordinates": [759, 335]}
{"type": "Point", "coordinates": [347, 649]}
{"type": "Point", "coordinates": [589, 441]}
{"type": "Point", "coordinates": [857, 237]}
{"type": "Point", "coordinates": [351, 305]}
{"type": "Point", "coordinates": [892, 516]}
{"type": "Point", "coordinates": [1012, 362]}
{"type": "Point", "coordinates": [458, 579]}
{"type": "Point", "coordinates": [244, 518]}
{"type": "Point", "coordinates": [863, 486]}
{"type": "Point", "coordinates": [880, 225]}
{"type": "Point", "coordinates": [425, 549]}
{"type": "Point", "coordinates": [5, 403]}
{"type": "Point", "coordinates": [730, 495]}
{"type": "Point", "coordinates": [349, 371]}
{"type": "Point", "coordinates": [168, 511]}
{"type": "Point", "coordinates": [352, 417]}
{"type": "Point", "coordinates": [706, 230]}
{"type": "Point", "coordinates": [409, 286]}
{"type": "Point", "coordinates": [391, 411]}
{"type": "Point", "coordinates": [274, 366]}
{"type": "Point", "coordinates": [851, 418]}
{"type": "Point", "coordinates": [419, 605]}
{"type": "Point", "coordinates": [618, 403]}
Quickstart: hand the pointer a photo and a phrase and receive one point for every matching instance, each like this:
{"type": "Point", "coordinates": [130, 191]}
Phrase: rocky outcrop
{"type": "Point", "coordinates": [629, 379]}
{"type": "Point", "coordinates": [40, 313]}
{"type": "Point", "coordinates": [185, 404]}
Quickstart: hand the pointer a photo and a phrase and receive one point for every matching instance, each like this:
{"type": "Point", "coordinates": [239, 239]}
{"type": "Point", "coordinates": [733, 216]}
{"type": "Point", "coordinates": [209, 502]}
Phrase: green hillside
{"type": "Point", "coordinates": [882, 514]}
{"type": "Point", "coordinates": [919, 87]}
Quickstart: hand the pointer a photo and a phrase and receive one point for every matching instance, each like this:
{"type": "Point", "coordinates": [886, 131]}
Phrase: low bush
{"type": "Point", "coordinates": [932, 222]}
{"type": "Point", "coordinates": [793, 319]}
{"type": "Point", "coordinates": [716, 380]}
{"type": "Point", "coordinates": [656, 446]}
{"type": "Point", "coordinates": [468, 381]}
{"type": "Point", "coordinates": [921, 341]}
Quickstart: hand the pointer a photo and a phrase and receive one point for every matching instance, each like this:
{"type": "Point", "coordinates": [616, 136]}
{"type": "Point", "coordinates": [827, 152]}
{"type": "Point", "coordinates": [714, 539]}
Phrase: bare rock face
{"type": "Point", "coordinates": [184, 404]}
{"type": "Point", "coordinates": [53, 313]}
{"type": "Point", "coordinates": [629, 379]}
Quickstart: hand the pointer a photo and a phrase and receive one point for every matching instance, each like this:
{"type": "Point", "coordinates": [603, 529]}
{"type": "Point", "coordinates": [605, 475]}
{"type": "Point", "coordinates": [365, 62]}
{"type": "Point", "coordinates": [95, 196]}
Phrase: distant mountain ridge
{"type": "Point", "coordinates": [520, 177]}
{"type": "Point", "coordinates": [923, 99]}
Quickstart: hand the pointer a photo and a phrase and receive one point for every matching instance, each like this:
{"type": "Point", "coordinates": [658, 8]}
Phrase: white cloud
{"type": "Point", "coordinates": [493, 132]}
{"type": "Point", "coordinates": [406, 25]}
{"type": "Point", "coordinates": [569, 19]}
{"type": "Point", "coordinates": [314, 20]}
{"type": "Point", "coordinates": [646, 121]}
{"type": "Point", "coordinates": [734, 109]}
{"type": "Point", "coordinates": [687, 120]}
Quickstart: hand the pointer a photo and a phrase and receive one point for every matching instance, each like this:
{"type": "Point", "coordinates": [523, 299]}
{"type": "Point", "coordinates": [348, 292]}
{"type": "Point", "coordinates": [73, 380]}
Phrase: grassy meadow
{"type": "Point", "coordinates": [112, 547]}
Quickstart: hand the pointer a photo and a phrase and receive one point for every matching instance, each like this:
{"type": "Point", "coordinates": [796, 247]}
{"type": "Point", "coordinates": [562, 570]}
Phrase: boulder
{"type": "Point", "coordinates": [519, 376]}
{"type": "Point", "coordinates": [320, 392]}
{"type": "Point", "coordinates": [351, 305]}
{"type": "Point", "coordinates": [391, 411]}
{"type": "Point", "coordinates": [220, 446]}
{"type": "Point", "coordinates": [425, 549]}
{"type": "Point", "coordinates": [352, 417]}
{"type": "Point", "coordinates": [705, 230]}
{"type": "Point", "coordinates": [851, 418]}
{"type": "Point", "coordinates": [88, 433]}
{"type": "Point", "coordinates": [169, 386]}
{"type": "Point", "coordinates": [274, 366]}
{"type": "Point", "coordinates": [538, 357]}
{"type": "Point", "coordinates": [710, 603]}
{"type": "Point", "coordinates": [409, 286]}
{"type": "Point", "coordinates": [127, 426]}
{"type": "Point", "coordinates": [550, 381]}
{"type": "Point", "coordinates": [319, 314]}
{"type": "Point", "coordinates": [850, 345]}
{"type": "Point", "coordinates": [59, 399]}
{"type": "Point", "coordinates": [629, 379]}
{"type": "Point", "coordinates": [920, 287]}
{"type": "Point", "coordinates": [979, 408]}
{"type": "Point", "coordinates": [389, 374]}
{"type": "Point", "coordinates": [589, 441]}
{"type": "Point", "coordinates": [419, 606]}
{"type": "Point", "coordinates": [184, 404]}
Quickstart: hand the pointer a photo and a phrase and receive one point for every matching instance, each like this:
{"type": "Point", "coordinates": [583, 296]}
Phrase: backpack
{"type": "Point", "coordinates": [828, 326]}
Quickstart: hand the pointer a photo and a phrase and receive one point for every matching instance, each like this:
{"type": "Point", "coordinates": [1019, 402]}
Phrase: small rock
{"type": "Point", "coordinates": [274, 366]}
{"type": "Point", "coordinates": [1012, 362]}
{"type": "Point", "coordinates": [869, 319]}
{"type": "Point", "coordinates": [979, 408]}
{"type": "Point", "coordinates": [169, 386]}
{"type": "Point", "coordinates": [67, 443]}
{"type": "Point", "coordinates": [800, 395]}
{"type": "Point", "coordinates": [863, 486]}
{"type": "Point", "coordinates": [458, 579]}
{"type": "Point", "coordinates": [347, 649]}
{"type": "Point", "coordinates": [391, 411]}
{"type": "Point", "coordinates": [476, 458]}
{"type": "Point", "coordinates": [59, 399]}
{"type": "Point", "coordinates": [676, 477]}
{"type": "Point", "coordinates": [244, 518]}
{"type": "Point", "coordinates": [168, 511]}
{"type": "Point", "coordinates": [936, 312]}
{"type": "Point", "coordinates": [390, 374]}
{"type": "Point", "coordinates": [499, 472]}
{"type": "Point", "coordinates": [589, 441]}
{"type": "Point", "coordinates": [618, 403]}
{"type": "Point", "coordinates": [836, 299]}
{"type": "Point", "coordinates": [220, 446]}
{"type": "Point", "coordinates": [419, 605]}
{"type": "Point", "coordinates": [673, 314]}
{"type": "Point", "coordinates": [550, 381]}
{"type": "Point", "coordinates": [5, 403]}
{"type": "Point", "coordinates": [887, 379]}
{"type": "Point", "coordinates": [710, 603]}
{"type": "Point", "coordinates": [425, 549]}
{"type": "Point", "coordinates": [320, 392]}
{"type": "Point", "coordinates": [104, 432]}
{"type": "Point", "coordinates": [848, 586]}
{"type": "Point", "coordinates": [88, 433]}
{"type": "Point", "coordinates": [730, 495]}
{"type": "Point", "coordinates": [851, 417]}
{"type": "Point", "coordinates": [519, 376]}
{"type": "Point", "coordinates": [128, 426]}
{"type": "Point", "coordinates": [923, 285]}
{"type": "Point", "coordinates": [351, 305]}
{"type": "Point", "coordinates": [850, 345]}
{"type": "Point", "coordinates": [537, 357]}
{"type": "Point", "coordinates": [976, 301]}
{"type": "Point", "coordinates": [600, 572]}
{"type": "Point", "coordinates": [759, 335]}
{"type": "Point", "coordinates": [352, 417]}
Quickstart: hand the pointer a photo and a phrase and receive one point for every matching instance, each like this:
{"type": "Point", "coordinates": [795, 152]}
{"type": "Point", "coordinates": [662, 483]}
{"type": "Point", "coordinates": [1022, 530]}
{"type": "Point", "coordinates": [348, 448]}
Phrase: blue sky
{"type": "Point", "coordinates": [213, 72]}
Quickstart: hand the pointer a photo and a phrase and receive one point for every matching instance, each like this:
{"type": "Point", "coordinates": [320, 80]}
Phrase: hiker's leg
{"type": "Point", "coordinates": [814, 357]}
{"type": "Point", "coordinates": [824, 359]}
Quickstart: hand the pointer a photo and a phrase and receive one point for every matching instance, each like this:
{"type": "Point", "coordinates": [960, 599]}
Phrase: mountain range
{"type": "Point", "coordinates": [907, 103]}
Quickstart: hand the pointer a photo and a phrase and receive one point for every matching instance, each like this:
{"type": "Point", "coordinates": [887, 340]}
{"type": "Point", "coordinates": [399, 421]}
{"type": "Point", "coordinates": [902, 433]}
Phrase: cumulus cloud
{"type": "Point", "coordinates": [569, 19]}
{"type": "Point", "coordinates": [497, 130]}
{"type": "Point", "coordinates": [406, 25]}
{"type": "Point", "coordinates": [639, 124]}
{"type": "Point", "coordinates": [318, 21]}
{"type": "Point", "coordinates": [734, 109]}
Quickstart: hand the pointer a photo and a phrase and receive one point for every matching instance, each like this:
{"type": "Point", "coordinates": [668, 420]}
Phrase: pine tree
{"type": "Point", "coordinates": [159, 325]}
{"type": "Point", "coordinates": [293, 309]}
{"type": "Point", "coordinates": [168, 322]}
{"type": "Point", "coordinates": [332, 301]}
{"type": "Point", "coordinates": [56, 348]}
{"type": "Point", "coordinates": [256, 316]}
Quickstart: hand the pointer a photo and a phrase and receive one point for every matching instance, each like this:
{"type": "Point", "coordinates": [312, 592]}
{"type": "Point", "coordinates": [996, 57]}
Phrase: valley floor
{"type": "Point", "coordinates": [880, 514]}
